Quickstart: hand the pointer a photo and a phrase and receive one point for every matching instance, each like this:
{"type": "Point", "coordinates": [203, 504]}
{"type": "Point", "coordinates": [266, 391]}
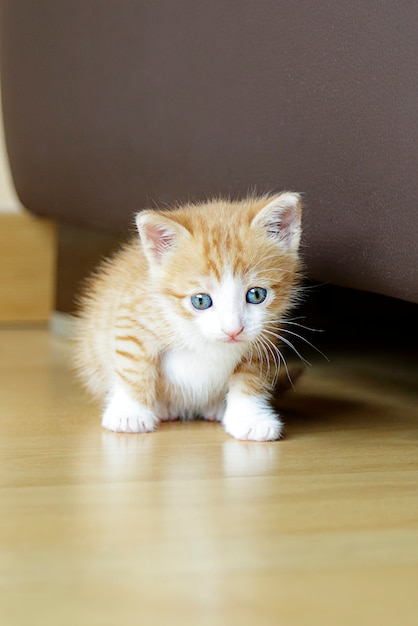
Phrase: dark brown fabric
{"type": "Point", "coordinates": [113, 106]}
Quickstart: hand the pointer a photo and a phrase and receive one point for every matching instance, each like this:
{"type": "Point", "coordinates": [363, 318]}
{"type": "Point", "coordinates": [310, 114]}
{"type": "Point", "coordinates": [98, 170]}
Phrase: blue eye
{"type": "Point", "coordinates": [256, 295]}
{"type": "Point", "coordinates": [201, 301]}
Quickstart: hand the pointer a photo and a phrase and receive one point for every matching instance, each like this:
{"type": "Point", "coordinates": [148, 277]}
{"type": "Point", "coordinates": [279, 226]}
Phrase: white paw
{"type": "Point", "coordinates": [125, 415]}
{"type": "Point", "coordinates": [251, 418]}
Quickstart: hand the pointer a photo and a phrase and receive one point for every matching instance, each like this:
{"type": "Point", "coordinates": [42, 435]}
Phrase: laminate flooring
{"type": "Point", "coordinates": [186, 526]}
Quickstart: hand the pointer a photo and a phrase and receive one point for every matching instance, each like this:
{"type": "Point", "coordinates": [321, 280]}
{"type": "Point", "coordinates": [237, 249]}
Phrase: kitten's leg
{"type": "Point", "coordinates": [124, 414]}
{"type": "Point", "coordinates": [248, 414]}
{"type": "Point", "coordinates": [215, 412]}
{"type": "Point", "coordinates": [131, 403]}
{"type": "Point", "coordinates": [165, 413]}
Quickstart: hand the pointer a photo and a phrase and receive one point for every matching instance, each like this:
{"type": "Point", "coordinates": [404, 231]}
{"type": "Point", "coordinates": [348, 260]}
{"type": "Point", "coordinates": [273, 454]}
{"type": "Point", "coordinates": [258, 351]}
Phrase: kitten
{"type": "Point", "coordinates": [184, 321]}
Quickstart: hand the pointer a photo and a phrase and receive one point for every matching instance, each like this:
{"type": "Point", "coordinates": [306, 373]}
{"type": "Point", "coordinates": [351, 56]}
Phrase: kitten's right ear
{"type": "Point", "coordinates": [281, 218]}
{"type": "Point", "coordinates": [159, 234]}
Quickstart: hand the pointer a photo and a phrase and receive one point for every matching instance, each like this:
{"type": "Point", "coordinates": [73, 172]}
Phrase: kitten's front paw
{"type": "Point", "coordinates": [124, 415]}
{"type": "Point", "coordinates": [129, 423]}
{"type": "Point", "coordinates": [251, 418]}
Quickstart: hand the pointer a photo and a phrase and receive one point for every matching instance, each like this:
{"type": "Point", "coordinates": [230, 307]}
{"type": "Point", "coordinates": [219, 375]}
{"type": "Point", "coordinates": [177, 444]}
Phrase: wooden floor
{"type": "Point", "coordinates": [189, 527]}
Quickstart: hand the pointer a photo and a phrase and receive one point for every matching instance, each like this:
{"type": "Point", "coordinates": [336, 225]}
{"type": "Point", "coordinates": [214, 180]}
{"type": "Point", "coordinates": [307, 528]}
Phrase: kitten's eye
{"type": "Point", "coordinates": [256, 295]}
{"type": "Point", "coordinates": [201, 301]}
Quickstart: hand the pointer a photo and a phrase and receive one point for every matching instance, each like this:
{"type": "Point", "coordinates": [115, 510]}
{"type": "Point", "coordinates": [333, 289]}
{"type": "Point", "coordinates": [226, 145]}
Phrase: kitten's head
{"type": "Point", "coordinates": [225, 270]}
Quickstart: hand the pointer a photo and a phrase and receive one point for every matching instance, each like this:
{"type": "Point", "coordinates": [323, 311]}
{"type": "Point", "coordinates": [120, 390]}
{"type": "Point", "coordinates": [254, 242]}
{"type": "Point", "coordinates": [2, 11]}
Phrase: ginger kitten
{"type": "Point", "coordinates": [185, 320]}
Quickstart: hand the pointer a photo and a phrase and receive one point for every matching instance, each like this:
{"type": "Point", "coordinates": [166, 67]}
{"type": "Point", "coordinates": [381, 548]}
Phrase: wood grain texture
{"type": "Point", "coordinates": [27, 267]}
{"type": "Point", "coordinates": [188, 526]}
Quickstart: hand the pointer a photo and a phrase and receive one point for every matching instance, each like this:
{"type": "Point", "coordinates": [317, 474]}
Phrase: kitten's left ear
{"type": "Point", "coordinates": [281, 218]}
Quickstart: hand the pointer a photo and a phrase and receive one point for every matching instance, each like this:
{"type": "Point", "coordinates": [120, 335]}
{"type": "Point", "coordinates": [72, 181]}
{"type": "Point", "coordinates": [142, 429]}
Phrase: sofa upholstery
{"type": "Point", "coordinates": [112, 107]}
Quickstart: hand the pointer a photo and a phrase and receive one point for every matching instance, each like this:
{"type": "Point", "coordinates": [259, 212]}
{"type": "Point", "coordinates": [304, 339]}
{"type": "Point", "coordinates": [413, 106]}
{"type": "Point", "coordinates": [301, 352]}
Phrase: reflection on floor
{"type": "Point", "coordinates": [188, 526]}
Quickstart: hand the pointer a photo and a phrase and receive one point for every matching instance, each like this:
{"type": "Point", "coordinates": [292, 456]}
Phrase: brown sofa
{"type": "Point", "coordinates": [114, 106]}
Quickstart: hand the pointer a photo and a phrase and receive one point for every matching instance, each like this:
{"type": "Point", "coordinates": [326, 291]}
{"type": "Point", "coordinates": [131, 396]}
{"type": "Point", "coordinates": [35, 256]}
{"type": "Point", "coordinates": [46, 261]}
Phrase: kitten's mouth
{"type": "Point", "coordinates": [235, 336]}
{"type": "Point", "coordinates": [234, 340]}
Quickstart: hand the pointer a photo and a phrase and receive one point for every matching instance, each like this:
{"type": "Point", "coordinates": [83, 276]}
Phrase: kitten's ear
{"type": "Point", "coordinates": [159, 234]}
{"type": "Point", "coordinates": [281, 218]}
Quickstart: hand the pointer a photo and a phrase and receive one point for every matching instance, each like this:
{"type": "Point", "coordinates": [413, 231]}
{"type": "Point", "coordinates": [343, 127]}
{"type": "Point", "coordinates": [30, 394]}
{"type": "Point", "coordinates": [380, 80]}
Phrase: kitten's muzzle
{"type": "Point", "coordinates": [233, 336]}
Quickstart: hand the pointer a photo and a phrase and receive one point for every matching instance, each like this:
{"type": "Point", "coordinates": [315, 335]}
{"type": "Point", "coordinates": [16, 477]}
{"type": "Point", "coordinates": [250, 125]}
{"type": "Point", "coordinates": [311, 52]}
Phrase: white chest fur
{"type": "Point", "coordinates": [199, 378]}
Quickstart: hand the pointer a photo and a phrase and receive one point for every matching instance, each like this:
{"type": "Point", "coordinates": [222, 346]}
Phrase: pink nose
{"type": "Point", "coordinates": [233, 334]}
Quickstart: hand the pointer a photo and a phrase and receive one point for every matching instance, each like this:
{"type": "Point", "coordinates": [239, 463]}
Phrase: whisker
{"type": "Point", "coordinates": [265, 346]}
{"type": "Point", "coordinates": [289, 378]}
{"type": "Point", "coordinates": [312, 287]}
{"type": "Point", "coordinates": [286, 368]}
{"type": "Point", "coordinates": [292, 323]}
{"type": "Point", "coordinates": [309, 343]}
{"type": "Point", "coordinates": [251, 354]}
{"type": "Point", "coordinates": [271, 348]}
{"type": "Point", "coordinates": [281, 359]}
{"type": "Point", "coordinates": [289, 332]}
{"type": "Point", "coordinates": [292, 319]}
{"type": "Point", "coordinates": [260, 357]}
{"type": "Point", "coordinates": [262, 346]}
{"type": "Point", "coordinates": [290, 344]}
